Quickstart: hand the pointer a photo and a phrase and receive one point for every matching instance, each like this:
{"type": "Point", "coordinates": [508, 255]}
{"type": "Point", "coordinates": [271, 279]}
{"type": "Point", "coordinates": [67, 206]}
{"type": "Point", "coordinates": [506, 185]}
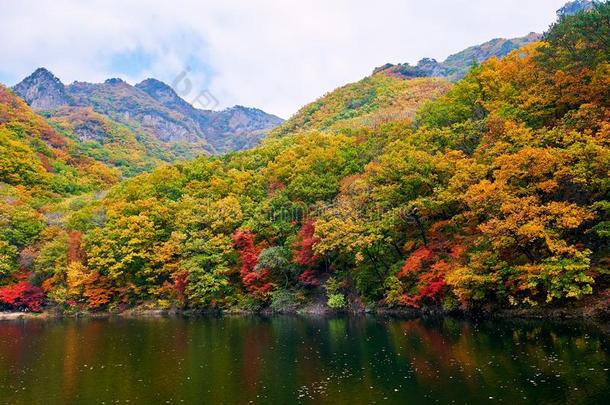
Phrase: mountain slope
{"type": "Point", "coordinates": [154, 109]}
{"type": "Point", "coordinates": [33, 154]}
{"type": "Point", "coordinates": [234, 128]}
{"type": "Point", "coordinates": [574, 7]}
{"type": "Point", "coordinates": [100, 138]}
{"type": "Point", "coordinates": [367, 103]}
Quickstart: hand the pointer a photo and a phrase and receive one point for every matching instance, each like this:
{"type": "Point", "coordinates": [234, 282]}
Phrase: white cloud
{"type": "Point", "coordinates": [275, 55]}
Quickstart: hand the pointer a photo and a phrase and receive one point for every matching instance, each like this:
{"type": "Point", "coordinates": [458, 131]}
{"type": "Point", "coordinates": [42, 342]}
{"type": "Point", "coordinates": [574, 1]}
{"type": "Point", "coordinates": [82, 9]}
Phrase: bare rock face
{"type": "Point", "coordinates": [234, 128]}
{"type": "Point", "coordinates": [42, 91]}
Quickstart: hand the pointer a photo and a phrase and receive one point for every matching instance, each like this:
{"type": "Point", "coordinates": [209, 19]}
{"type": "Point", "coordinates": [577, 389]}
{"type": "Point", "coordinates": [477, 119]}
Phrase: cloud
{"type": "Point", "coordinates": [275, 55]}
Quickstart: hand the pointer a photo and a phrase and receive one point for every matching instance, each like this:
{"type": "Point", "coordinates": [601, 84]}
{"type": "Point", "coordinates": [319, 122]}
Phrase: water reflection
{"type": "Point", "coordinates": [291, 359]}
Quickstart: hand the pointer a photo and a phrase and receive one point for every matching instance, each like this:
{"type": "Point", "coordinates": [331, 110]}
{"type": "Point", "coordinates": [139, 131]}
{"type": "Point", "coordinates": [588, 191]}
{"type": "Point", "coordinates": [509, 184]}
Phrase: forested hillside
{"type": "Point", "coordinates": [493, 192]}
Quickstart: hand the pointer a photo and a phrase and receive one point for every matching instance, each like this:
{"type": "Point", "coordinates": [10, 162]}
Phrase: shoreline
{"type": "Point", "coordinates": [554, 314]}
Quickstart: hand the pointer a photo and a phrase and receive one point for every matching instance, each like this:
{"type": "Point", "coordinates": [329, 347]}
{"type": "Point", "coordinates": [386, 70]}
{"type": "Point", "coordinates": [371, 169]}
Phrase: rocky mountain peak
{"type": "Point", "coordinates": [574, 7]}
{"type": "Point", "coordinates": [42, 90]}
{"type": "Point", "coordinates": [164, 94]}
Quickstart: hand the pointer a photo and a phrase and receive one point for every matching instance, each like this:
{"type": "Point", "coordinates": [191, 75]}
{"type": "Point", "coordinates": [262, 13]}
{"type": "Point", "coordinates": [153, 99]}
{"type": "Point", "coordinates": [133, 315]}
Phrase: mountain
{"type": "Point", "coordinates": [152, 109]}
{"type": "Point", "coordinates": [128, 105]}
{"type": "Point", "coordinates": [246, 126]}
{"type": "Point", "coordinates": [457, 65]}
{"type": "Point", "coordinates": [496, 198]}
{"type": "Point", "coordinates": [574, 7]}
{"type": "Point", "coordinates": [42, 90]}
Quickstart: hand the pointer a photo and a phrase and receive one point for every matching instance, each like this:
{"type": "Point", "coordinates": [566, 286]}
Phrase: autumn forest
{"type": "Point", "coordinates": [391, 193]}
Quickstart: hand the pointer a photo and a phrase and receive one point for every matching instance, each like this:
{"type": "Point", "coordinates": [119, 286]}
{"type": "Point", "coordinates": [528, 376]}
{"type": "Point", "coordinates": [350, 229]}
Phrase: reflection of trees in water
{"type": "Point", "coordinates": [332, 360]}
{"type": "Point", "coordinates": [519, 357]}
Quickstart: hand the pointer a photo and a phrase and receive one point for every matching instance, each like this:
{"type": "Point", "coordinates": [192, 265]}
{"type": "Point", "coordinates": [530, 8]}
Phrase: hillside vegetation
{"type": "Point", "coordinates": [386, 193]}
{"type": "Point", "coordinates": [369, 103]}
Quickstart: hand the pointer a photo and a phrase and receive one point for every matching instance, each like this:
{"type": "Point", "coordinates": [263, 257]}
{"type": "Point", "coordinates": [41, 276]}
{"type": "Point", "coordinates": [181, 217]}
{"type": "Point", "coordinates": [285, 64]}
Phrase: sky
{"type": "Point", "coordinates": [270, 54]}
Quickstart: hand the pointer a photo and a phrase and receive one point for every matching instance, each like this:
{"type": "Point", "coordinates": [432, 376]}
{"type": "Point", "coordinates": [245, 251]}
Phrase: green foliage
{"type": "Point", "coordinates": [8, 259]}
{"type": "Point", "coordinates": [52, 258]}
{"type": "Point", "coordinates": [460, 104]}
{"type": "Point", "coordinates": [578, 40]}
{"type": "Point", "coordinates": [206, 288]}
{"type": "Point", "coordinates": [277, 260]}
{"type": "Point", "coordinates": [20, 225]}
{"type": "Point", "coordinates": [336, 299]}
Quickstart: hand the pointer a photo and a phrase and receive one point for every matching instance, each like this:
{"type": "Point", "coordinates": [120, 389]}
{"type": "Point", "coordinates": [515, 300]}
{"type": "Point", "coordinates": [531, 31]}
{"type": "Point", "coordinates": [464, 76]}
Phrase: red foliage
{"type": "Point", "coordinates": [255, 281]}
{"type": "Point", "coordinates": [180, 283]}
{"type": "Point", "coordinates": [415, 261]}
{"type": "Point", "coordinates": [457, 251]}
{"type": "Point", "coordinates": [427, 266]}
{"type": "Point", "coordinates": [309, 277]}
{"type": "Point", "coordinates": [248, 252]}
{"type": "Point", "coordinates": [431, 286]}
{"type": "Point", "coordinates": [22, 295]}
{"type": "Point", "coordinates": [304, 254]}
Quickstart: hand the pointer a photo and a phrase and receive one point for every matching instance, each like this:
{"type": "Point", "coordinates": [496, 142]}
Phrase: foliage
{"type": "Point", "coordinates": [22, 295]}
{"type": "Point", "coordinates": [283, 301]}
{"type": "Point", "coordinates": [579, 40]}
{"type": "Point", "coordinates": [396, 192]}
{"type": "Point", "coordinates": [336, 299]}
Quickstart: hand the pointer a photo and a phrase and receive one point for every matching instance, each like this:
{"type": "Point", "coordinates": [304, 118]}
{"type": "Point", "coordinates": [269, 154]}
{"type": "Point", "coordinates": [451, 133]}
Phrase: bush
{"type": "Point", "coordinates": [248, 303]}
{"type": "Point", "coordinates": [336, 301]}
{"type": "Point", "coordinates": [283, 301]}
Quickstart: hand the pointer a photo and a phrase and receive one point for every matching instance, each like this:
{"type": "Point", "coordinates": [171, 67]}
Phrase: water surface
{"type": "Point", "coordinates": [286, 360]}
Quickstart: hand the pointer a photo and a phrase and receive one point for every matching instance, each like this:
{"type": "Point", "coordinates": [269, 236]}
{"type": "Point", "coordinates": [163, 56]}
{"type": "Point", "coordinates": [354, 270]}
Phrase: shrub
{"type": "Point", "coordinates": [336, 301]}
{"type": "Point", "coordinates": [283, 301]}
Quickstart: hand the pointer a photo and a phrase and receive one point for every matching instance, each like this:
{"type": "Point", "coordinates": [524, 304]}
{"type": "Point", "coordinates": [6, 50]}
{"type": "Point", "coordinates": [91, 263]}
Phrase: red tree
{"type": "Point", "coordinates": [255, 281]}
{"type": "Point", "coordinates": [22, 295]}
{"type": "Point", "coordinates": [304, 254]}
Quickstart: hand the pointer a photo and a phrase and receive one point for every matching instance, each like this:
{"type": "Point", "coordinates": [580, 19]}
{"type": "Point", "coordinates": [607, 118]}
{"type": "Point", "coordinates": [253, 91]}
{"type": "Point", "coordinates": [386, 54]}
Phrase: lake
{"type": "Point", "coordinates": [287, 360]}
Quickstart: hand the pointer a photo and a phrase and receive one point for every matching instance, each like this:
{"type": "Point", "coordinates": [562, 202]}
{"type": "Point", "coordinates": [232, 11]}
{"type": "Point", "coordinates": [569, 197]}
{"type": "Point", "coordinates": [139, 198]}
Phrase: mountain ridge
{"type": "Point", "coordinates": [153, 107]}
{"type": "Point", "coordinates": [457, 65]}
